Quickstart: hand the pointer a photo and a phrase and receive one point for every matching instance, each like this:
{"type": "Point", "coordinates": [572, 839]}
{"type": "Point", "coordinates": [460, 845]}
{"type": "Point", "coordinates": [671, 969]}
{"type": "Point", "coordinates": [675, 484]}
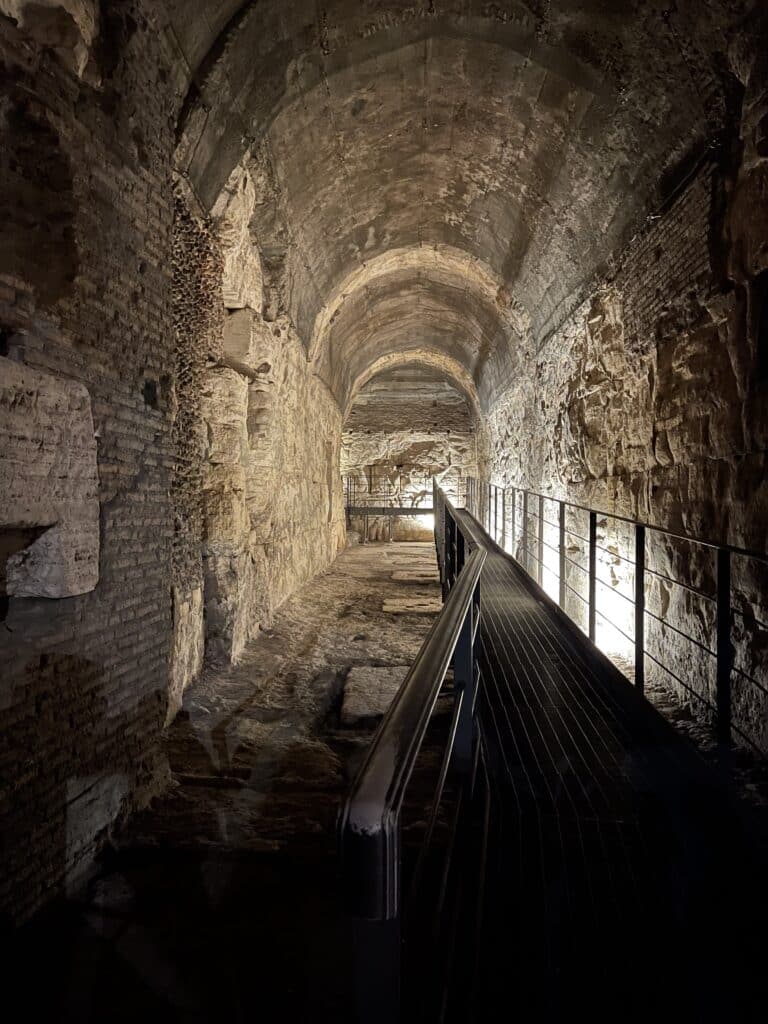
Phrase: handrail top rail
{"type": "Point", "coordinates": [734, 549]}
{"type": "Point", "coordinates": [374, 801]}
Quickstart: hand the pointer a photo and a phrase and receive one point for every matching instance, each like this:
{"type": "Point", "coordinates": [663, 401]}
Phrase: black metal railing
{"type": "Point", "coordinates": [364, 504]}
{"type": "Point", "coordinates": [681, 629]}
{"type": "Point", "coordinates": [370, 825]}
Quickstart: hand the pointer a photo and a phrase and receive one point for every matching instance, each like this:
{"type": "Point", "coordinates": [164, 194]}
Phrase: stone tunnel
{"type": "Point", "coordinates": [273, 278]}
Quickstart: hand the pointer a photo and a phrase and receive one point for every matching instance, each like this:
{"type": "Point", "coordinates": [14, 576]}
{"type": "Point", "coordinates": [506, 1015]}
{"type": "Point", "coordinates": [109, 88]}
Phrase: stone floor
{"type": "Point", "coordinates": [259, 753]}
{"type": "Point", "coordinates": [220, 902]}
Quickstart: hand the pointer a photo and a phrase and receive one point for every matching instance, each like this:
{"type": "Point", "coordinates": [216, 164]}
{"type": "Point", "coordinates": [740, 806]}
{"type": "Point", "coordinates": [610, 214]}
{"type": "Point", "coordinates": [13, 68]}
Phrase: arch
{"type": "Point", "coordinates": [440, 308]}
{"type": "Point", "coordinates": [452, 369]}
{"type": "Point", "coordinates": [259, 58]}
{"type": "Point", "coordinates": [420, 260]}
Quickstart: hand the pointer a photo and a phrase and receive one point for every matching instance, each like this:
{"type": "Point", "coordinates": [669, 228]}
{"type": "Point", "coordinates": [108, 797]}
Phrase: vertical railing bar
{"type": "Point", "coordinates": [640, 607]}
{"type": "Point", "coordinates": [514, 519]}
{"type": "Point", "coordinates": [561, 551]}
{"type": "Point", "coordinates": [592, 574]}
{"type": "Point", "coordinates": [540, 544]}
{"type": "Point", "coordinates": [504, 518]}
{"type": "Point", "coordinates": [525, 530]}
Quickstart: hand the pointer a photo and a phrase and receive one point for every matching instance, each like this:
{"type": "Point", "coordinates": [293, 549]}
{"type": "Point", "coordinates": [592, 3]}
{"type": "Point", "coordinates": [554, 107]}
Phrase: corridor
{"type": "Point", "coordinates": [280, 280]}
{"type": "Point", "coordinates": [228, 884]}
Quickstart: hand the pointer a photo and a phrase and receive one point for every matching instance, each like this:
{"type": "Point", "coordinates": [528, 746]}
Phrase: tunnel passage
{"type": "Point", "coordinates": [407, 426]}
{"type": "Point", "coordinates": [255, 225]}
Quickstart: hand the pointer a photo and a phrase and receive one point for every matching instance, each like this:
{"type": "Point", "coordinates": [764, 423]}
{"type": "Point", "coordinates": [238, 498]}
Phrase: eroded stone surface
{"type": "Point", "coordinates": [407, 427]}
{"type": "Point", "coordinates": [232, 212]}
{"type": "Point", "coordinates": [188, 645]}
{"type": "Point", "coordinates": [368, 692]}
{"type": "Point", "coordinates": [67, 26]}
{"type": "Point", "coordinates": [271, 511]}
{"type": "Point", "coordinates": [49, 508]}
{"type": "Point", "coordinates": [257, 756]}
{"type": "Point", "coordinates": [418, 605]}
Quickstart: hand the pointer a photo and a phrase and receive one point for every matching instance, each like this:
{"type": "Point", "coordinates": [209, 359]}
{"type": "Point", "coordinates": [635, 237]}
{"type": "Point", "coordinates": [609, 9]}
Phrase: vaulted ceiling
{"type": "Point", "coordinates": [449, 173]}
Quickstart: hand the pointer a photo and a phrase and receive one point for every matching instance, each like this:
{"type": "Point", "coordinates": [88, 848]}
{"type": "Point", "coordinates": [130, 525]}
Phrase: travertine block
{"type": "Point", "coordinates": [49, 482]}
{"type": "Point", "coordinates": [187, 645]}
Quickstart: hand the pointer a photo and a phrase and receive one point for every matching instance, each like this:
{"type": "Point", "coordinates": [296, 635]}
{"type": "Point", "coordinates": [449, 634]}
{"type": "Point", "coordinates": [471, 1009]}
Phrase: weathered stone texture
{"type": "Point", "coordinates": [406, 427]}
{"type": "Point", "coordinates": [85, 298]}
{"type": "Point", "coordinates": [268, 482]}
{"type": "Point", "coordinates": [198, 323]}
{"type": "Point", "coordinates": [368, 692]}
{"type": "Point", "coordinates": [644, 402]}
{"type": "Point", "coordinates": [69, 27]}
{"type": "Point", "coordinates": [635, 403]}
{"type": "Point", "coordinates": [188, 646]}
{"type": "Point", "coordinates": [231, 213]}
{"type": "Point", "coordinates": [48, 484]}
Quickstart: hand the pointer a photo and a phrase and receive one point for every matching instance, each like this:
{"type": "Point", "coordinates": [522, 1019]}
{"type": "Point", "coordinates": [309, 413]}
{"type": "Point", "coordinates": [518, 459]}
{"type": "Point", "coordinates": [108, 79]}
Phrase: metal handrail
{"type": "Point", "coordinates": [484, 500]}
{"type": "Point", "coordinates": [733, 549]}
{"type": "Point", "coordinates": [370, 823]}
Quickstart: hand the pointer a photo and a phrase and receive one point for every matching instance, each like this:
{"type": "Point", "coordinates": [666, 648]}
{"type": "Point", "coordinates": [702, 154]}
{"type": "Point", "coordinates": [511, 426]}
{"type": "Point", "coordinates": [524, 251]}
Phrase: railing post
{"type": "Point", "coordinates": [503, 518]}
{"type": "Point", "coordinates": [513, 524]}
{"type": "Point", "coordinates": [488, 524]}
{"type": "Point", "coordinates": [496, 513]}
{"type": "Point", "coordinates": [724, 654]}
{"type": "Point", "coordinates": [561, 551]}
{"type": "Point", "coordinates": [640, 607]}
{"type": "Point", "coordinates": [454, 550]}
{"type": "Point", "coordinates": [525, 530]}
{"type": "Point", "coordinates": [540, 542]}
{"type": "Point", "coordinates": [592, 574]}
{"type": "Point", "coordinates": [446, 552]}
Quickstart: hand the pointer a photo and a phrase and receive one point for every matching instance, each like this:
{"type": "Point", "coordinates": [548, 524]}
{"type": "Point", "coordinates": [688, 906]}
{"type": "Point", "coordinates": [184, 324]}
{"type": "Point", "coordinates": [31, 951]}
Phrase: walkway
{"type": "Point", "coordinates": [620, 882]}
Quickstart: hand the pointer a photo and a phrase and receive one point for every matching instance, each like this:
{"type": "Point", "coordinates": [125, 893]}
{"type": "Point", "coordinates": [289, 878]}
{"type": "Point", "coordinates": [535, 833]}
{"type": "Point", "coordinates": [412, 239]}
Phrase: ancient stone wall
{"type": "Point", "coordinates": [85, 258]}
{"type": "Point", "coordinates": [198, 324]}
{"type": "Point", "coordinates": [406, 427]}
{"type": "Point", "coordinates": [649, 400]}
{"type": "Point", "coordinates": [270, 489]}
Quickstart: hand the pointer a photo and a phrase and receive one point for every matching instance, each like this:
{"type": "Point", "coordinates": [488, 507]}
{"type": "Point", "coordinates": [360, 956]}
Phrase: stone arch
{"type": "Point", "coordinates": [453, 371]}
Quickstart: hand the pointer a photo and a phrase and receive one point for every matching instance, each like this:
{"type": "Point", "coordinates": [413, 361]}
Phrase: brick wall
{"type": "Point", "coordinates": [85, 277]}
